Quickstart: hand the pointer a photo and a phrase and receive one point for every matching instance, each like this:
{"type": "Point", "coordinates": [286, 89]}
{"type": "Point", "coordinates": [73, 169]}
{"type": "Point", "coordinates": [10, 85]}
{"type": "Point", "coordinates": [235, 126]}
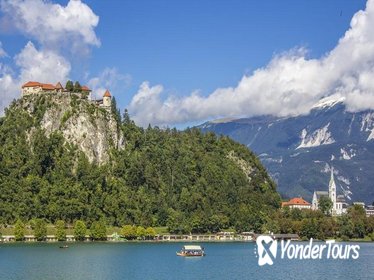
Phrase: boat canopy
{"type": "Point", "coordinates": [192, 247]}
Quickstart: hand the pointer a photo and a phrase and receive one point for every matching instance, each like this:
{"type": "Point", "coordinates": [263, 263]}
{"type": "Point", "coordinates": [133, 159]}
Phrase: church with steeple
{"type": "Point", "coordinates": [339, 205]}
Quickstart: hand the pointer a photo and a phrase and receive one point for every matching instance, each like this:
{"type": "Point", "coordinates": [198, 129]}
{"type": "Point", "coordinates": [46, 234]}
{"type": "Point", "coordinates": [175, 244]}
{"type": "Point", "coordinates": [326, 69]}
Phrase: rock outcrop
{"type": "Point", "coordinates": [92, 129]}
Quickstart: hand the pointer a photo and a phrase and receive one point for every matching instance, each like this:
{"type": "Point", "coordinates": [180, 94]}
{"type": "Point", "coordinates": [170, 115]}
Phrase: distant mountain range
{"type": "Point", "coordinates": [299, 151]}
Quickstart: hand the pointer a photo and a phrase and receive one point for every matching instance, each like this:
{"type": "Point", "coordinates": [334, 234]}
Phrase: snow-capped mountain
{"type": "Point", "coordinates": [299, 151]}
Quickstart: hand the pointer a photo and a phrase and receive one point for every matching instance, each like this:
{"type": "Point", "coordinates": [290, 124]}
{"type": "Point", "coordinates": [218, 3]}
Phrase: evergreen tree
{"type": "Point", "coordinates": [116, 112]}
{"type": "Point", "coordinates": [127, 120]}
{"type": "Point", "coordinates": [77, 87]}
{"type": "Point", "coordinates": [69, 86]}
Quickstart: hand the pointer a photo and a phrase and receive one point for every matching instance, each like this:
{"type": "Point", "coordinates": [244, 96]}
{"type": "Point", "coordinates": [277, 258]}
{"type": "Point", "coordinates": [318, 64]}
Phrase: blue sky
{"type": "Point", "coordinates": [184, 48]}
{"type": "Point", "coordinates": [189, 45]}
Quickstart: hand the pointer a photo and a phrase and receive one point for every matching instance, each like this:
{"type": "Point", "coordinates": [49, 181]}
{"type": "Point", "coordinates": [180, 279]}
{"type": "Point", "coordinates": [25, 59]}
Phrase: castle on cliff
{"type": "Point", "coordinates": [36, 88]}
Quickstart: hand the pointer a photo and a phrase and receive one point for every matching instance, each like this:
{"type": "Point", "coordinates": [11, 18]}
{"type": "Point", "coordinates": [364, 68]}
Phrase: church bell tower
{"type": "Point", "coordinates": [332, 192]}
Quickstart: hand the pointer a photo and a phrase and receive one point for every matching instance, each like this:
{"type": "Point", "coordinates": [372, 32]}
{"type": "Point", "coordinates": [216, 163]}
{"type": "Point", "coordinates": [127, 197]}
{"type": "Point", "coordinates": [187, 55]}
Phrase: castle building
{"type": "Point", "coordinates": [30, 88]}
{"type": "Point", "coordinates": [107, 99]}
{"type": "Point", "coordinates": [37, 88]}
{"type": "Point", "coordinates": [106, 102]}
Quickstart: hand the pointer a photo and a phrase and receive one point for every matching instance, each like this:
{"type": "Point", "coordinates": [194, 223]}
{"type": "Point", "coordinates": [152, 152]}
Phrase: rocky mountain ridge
{"type": "Point", "coordinates": [300, 151]}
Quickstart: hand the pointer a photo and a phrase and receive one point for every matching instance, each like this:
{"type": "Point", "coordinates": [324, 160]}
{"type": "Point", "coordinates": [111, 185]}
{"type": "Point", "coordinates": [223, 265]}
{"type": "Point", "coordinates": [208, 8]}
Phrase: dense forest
{"type": "Point", "coordinates": [185, 180]}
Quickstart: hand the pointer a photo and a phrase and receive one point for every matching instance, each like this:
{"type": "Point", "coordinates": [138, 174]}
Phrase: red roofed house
{"type": "Point", "coordinates": [36, 88]}
{"type": "Point", "coordinates": [297, 202]}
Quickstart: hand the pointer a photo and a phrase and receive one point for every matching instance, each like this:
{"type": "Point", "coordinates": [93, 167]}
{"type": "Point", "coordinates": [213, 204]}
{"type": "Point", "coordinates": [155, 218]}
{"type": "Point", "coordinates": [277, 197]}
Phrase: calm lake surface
{"type": "Point", "coordinates": [159, 261]}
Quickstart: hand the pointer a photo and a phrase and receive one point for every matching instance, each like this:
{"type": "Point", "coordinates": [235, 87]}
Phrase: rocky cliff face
{"type": "Point", "coordinates": [92, 129]}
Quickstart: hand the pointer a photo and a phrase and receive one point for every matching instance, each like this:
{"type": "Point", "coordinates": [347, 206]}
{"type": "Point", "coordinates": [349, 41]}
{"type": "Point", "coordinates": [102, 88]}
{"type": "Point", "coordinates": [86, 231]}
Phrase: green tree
{"type": "Point", "coordinates": [80, 230]}
{"type": "Point", "coordinates": [326, 228]}
{"type": "Point", "coordinates": [357, 215]}
{"type": "Point", "coordinates": [309, 228]}
{"type": "Point", "coordinates": [77, 87]}
{"type": "Point", "coordinates": [126, 118]}
{"type": "Point", "coordinates": [140, 232]}
{"type": "Point", "coordinates": [98, 230]}
{"type": "Point", "coordinates": [325, 205]}
{"type": "Point", "coordinates": [60, 230]}
{"type": "Point", "coordinates": [69, 86]}
{"type": "Point", "coordinates": [345, 227]}
{"type": "Point", "coordinates": [40, 229]}
{"type": "Point", "coordinates": [128, 232]}
{"type": "Point", "coordinates": [19, 230]}
{"type": "Point", "coordinates": [150, 232]}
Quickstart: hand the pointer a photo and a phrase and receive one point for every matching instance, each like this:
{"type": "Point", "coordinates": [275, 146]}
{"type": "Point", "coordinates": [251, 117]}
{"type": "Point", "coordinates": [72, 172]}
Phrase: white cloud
{"type": "Point", "coordinates": [7, 86]}
{"type": "Point", "coordinates": [53, 25]}
{"type": "Point", "coordinates": [2, 51]}
{"type": "Point", "coordinates": [56, 29]}
{"type": "Point", "coordinates": [289, 85]}
{"type": "Point", "coordinates": [41, 65]}
{"type": "Point", "coordinates": [35, 65]}
{"type": "Point", "coordinates": [109, 79]}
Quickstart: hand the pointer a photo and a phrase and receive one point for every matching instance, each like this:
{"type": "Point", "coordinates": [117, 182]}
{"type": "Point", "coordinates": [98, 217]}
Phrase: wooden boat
{"type": "Point", "coordinates": [64, 246]}
{"type": "Point", "coordinates": [191, 251]}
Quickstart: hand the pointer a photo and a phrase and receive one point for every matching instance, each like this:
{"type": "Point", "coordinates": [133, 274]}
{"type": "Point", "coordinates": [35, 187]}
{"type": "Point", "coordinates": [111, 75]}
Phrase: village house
{"type": "Point", "coordinates": [297, 202]}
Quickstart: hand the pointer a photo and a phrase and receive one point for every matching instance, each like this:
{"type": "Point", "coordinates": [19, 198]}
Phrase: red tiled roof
{"type": "Point", "coordinates": [48, 86]}
{"type": "Point", "coordinates": [31, 84]}
{"type": "Point", "coordinates": [86, 88]}
{"type": "Point", "coordinates": [296, 201]}
{"type": "Point", "coordinates": [43, 86]}
{"type": "Point", "coordinates": [107, 94]}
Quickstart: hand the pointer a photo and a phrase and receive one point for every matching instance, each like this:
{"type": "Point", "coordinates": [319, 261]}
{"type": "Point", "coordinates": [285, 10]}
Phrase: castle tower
{"type": "Point", "coordinates": [332, 192]}
{"type": "Point", "coordinates": [107, 99]}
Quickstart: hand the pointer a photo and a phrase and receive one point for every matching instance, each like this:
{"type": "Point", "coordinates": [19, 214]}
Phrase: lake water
{"type": "Point", "coordinates": [159, 261]}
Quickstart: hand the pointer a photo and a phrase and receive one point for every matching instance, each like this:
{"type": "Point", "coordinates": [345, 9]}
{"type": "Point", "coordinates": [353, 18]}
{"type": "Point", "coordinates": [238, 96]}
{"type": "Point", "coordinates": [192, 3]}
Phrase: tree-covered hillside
{"type": "Point", "coordinates": [188, 181]}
